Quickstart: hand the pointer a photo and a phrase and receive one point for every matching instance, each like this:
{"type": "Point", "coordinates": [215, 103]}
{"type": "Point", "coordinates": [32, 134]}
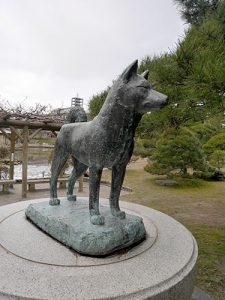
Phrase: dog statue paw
{"type": "Point", "coordinates": [54, 201]}
{"type": "Point", "coordinates": [119, 214]}
{"type": "Point", "coordinates": [97, 220]}
{"type": "Point", "coordinates": [71, 197]}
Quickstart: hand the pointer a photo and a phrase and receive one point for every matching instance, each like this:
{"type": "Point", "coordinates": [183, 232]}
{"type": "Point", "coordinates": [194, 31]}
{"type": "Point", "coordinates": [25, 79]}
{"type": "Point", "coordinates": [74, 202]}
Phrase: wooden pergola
{"type": "Point", "coordinates": [25, 130]}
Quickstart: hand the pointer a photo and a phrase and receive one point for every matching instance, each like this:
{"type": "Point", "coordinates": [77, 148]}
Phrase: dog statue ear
{"type": "Point", "coordinates": [145, 74]}
{"type": "Point", "coordinates": [130, 71]}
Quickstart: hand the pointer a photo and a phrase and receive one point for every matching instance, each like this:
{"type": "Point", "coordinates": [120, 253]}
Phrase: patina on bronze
{"type": "Point", "coordinates": [107, 141]}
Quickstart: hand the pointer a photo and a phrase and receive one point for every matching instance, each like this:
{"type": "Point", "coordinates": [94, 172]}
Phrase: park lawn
{"type": "Point", "coordinates": [200, 206]}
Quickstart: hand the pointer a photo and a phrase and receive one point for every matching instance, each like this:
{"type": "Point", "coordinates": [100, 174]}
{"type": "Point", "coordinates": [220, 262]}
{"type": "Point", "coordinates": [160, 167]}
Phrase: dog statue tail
{"type": "Point", "coordinates": [76, 114]}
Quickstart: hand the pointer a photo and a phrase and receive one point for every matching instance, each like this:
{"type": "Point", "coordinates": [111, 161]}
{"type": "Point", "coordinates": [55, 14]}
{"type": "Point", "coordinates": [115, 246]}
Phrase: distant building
{"type": "Point", "coordinates": [76, 101]}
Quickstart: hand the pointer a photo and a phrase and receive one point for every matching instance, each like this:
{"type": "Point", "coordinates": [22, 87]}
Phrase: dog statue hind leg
{"type": "Point", "coordinates": [94, 187]}
{"type": "Point", "coordinates": [78, 170]}
{"type": "Point", "coordinates": [59, 160]}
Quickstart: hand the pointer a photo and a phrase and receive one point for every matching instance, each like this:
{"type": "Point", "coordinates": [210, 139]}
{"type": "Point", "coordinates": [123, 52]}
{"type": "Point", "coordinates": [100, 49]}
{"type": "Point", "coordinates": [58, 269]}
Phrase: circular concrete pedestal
{"type": "Point", "coordinates": [35, 266]}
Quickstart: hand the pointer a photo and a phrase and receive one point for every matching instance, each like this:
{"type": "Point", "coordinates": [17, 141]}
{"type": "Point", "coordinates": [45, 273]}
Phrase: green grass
{"type": "Point", "coordinates": [211, 259]}
{"type": "Point", "coordinates": [200, 206]}
{"type": "Point", "coordinates": [189, 183]}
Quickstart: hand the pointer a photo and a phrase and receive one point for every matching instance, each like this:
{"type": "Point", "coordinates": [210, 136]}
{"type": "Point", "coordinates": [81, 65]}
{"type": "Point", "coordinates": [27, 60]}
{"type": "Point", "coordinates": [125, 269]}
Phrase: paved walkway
{"type": "Point", "coordinates": [42, 191]}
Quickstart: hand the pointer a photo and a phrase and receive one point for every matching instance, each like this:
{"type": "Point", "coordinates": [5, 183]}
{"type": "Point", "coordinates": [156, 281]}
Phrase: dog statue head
{"type": "Point", "coordinates": [135, 91]}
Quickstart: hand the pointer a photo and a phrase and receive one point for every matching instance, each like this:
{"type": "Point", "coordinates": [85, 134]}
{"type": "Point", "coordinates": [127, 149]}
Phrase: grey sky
{"type": "Point", "coordinates": [53, 49]}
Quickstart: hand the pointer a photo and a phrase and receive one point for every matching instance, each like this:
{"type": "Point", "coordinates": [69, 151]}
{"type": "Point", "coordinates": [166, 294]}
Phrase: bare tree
{"type": "Point", "coordinates": [21, 111]}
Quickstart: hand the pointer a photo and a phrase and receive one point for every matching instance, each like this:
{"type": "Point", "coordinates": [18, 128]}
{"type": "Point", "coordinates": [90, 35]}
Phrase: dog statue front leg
{"type": "Point", "coordinates": [94, 187]}
{"type": "Point", "coordinates": [118, 173]}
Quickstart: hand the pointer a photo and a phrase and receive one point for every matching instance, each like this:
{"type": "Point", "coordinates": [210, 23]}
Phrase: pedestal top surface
{"type": "Point", "coordinates": [38, 247]}
{"type": "Point", "coordinates": [45, 269]}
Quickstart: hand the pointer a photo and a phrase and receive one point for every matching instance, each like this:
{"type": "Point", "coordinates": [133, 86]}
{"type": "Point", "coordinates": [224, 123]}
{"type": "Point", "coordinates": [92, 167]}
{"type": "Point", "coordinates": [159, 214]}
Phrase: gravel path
{"type": "Point", "coordinates": [42, 191]}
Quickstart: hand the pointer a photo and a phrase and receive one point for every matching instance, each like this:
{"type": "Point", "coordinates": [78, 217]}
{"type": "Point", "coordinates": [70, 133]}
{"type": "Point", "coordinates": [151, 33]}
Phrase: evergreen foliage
{"type": "Point", "coordinates": [194, 79]}
{"type": "Point", "coordinates": [204, 131]}
{"type": "Point", "coordinates": [217, 159]}
{"type": "Point", "coordinates": [216, 142]}
{"type": "Point", "coordinates": [177, 150]}
{"type": "Point", "coordinates": [144, 147]}
{"type": "Point", "coordinates": [193, 76]}
{"type": "Point", "coordinates": [96, 103]}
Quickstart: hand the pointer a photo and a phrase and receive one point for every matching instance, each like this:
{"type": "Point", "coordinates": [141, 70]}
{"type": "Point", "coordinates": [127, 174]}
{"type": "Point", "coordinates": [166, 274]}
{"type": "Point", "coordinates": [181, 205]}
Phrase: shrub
{"type": "Point", "coordinates": [216, 142]}
{"type": "Point", "coordinates": [217, 159]}
{"type": "Point", "coordinates": [177, 150]}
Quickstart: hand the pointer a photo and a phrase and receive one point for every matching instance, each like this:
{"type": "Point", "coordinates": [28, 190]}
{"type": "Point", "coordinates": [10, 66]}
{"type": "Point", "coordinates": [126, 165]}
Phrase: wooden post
{"type": "Point", "coordinates": [81, 183]}
{"type": "Point", "coordinates": [34, 133]}
{"type": "Point", "coordinates": [25, 161]}
{"type": "Point", "coordinates": [18, 136]}
{"type": "Point", "coordinates": [12, 151]}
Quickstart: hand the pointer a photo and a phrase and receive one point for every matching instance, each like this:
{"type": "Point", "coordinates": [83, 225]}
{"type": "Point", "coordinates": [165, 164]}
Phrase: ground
{"type": "Point", "coordinates": [199, 205]}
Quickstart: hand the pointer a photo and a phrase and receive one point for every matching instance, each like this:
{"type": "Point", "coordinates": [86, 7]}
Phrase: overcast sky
{"type": "Point", "coordinates": [52, 50]}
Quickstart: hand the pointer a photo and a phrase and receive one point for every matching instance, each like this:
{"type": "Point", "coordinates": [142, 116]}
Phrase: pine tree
{"type": "Point", "coordinates": [177, 150]}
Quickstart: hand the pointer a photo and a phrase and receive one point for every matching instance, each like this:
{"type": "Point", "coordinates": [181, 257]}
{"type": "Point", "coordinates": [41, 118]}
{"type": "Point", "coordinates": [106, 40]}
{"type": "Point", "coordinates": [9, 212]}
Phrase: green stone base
{"type": "Point", "coordinates": [70, 224]}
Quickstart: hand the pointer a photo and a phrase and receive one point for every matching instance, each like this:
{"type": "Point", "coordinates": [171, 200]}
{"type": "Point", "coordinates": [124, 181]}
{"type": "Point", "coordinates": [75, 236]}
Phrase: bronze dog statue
{"type": "Point", "coordinates": [107, 141]}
